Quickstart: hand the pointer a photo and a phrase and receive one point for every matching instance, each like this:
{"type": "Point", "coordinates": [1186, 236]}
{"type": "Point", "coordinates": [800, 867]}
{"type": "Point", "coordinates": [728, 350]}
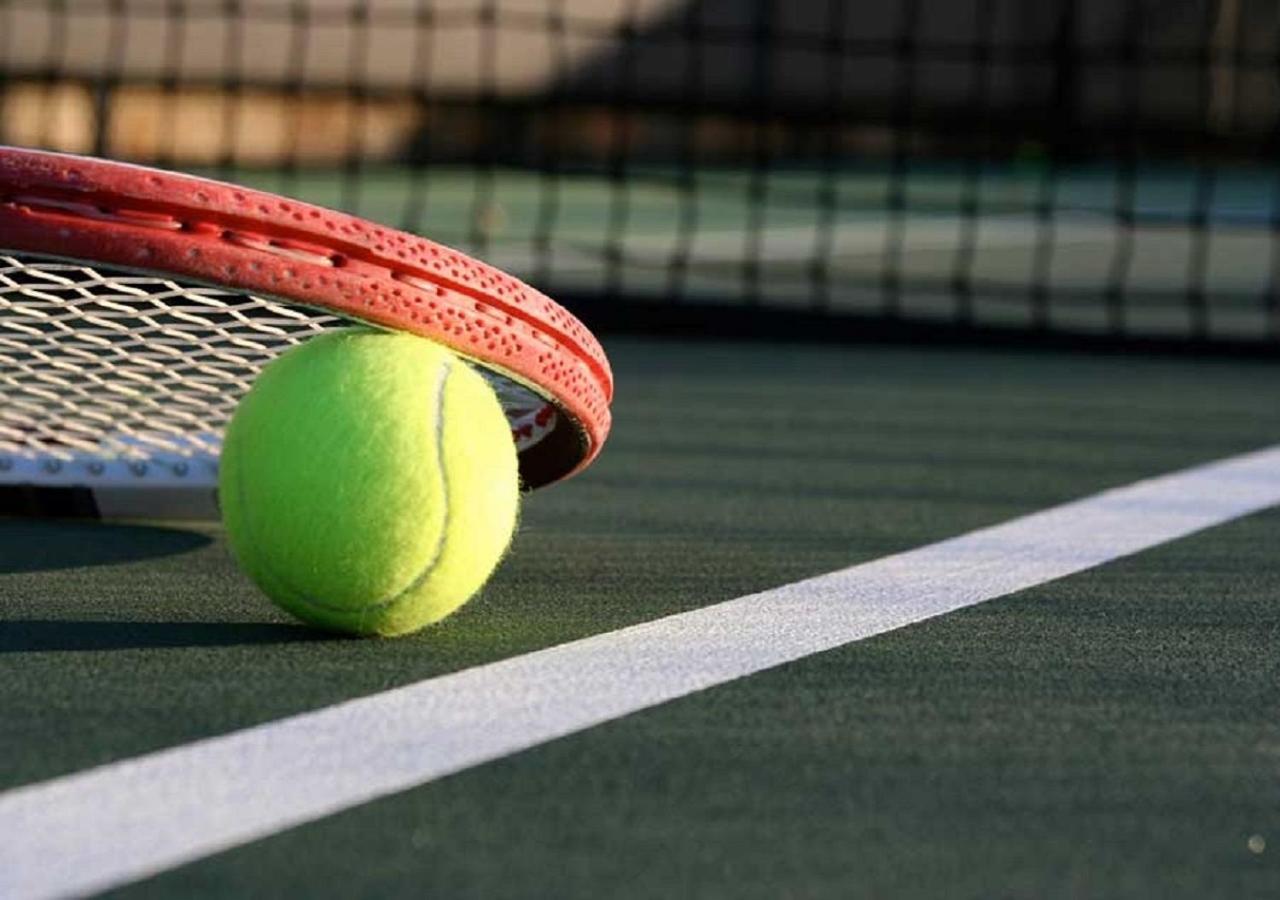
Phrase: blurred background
{"type": "Point", "coordinates": [1068, 170]}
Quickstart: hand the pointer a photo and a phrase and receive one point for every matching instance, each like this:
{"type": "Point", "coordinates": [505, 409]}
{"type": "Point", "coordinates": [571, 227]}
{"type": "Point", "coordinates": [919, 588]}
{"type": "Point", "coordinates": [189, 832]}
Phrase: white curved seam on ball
{"type": "Point", "coordinates": [365, 609]}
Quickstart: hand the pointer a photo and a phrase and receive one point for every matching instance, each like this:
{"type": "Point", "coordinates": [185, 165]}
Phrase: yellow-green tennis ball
{"type": "Point", "coordinates": [368, 482]}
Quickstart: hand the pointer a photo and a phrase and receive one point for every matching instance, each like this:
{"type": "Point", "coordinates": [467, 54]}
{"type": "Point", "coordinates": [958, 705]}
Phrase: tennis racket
{"type": "Point", "coordinates": [137, 306]}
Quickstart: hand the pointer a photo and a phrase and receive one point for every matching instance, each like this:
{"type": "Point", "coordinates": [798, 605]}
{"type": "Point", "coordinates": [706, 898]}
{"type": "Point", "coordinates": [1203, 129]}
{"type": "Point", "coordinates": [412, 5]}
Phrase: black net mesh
{"type": "Point", "coordinates": [1065, 167]}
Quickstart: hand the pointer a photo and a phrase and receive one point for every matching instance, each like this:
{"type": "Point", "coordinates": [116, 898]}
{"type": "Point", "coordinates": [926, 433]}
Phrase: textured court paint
{"type": "Point", "coordinates": [124, 821]}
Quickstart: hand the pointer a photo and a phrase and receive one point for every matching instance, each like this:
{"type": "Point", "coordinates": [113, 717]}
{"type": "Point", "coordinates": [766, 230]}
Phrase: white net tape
{"type": "Point", "coordinates": [107, 375]}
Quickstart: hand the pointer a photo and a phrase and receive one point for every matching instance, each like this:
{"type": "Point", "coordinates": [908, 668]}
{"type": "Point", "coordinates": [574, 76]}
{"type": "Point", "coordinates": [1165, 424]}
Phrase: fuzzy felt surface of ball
{"type": "Point", "coordinates": [368, 482]}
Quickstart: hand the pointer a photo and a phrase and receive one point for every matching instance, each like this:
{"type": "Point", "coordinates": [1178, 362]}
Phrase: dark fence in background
{"type": "Point", "coordinates": [1074, 167]}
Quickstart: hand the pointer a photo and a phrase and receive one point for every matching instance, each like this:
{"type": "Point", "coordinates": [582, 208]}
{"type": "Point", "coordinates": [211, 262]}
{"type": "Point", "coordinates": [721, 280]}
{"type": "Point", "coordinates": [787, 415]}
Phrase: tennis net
{"type": "Point", "coordinates": [1071, 167]}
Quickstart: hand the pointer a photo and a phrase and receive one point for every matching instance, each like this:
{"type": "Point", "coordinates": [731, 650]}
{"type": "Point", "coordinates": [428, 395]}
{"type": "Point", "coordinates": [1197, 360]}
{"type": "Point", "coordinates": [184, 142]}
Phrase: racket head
{"type": "Point", "coordinates": [137, 305]}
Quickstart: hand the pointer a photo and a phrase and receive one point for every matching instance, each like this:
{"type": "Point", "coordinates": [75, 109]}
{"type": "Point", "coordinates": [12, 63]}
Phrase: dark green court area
{"type": "Point", "coordinates": [1113, 734]}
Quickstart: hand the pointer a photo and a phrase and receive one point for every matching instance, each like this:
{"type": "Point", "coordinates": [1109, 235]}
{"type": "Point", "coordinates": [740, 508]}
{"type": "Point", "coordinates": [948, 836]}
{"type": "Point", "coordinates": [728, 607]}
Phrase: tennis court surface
{"type": "Point", "coordinates": [933, 550]}
{"type": "Point", "coordinates": [1112, 732]}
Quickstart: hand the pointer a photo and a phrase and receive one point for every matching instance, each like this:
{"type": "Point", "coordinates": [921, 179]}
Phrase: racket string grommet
{"type": "Point", "coordinates": [138, 468]}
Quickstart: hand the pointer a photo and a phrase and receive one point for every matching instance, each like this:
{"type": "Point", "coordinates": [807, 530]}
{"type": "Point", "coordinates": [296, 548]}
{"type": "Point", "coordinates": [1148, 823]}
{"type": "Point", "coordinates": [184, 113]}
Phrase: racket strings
{"type": "Point", "coordinates": [97, 364]}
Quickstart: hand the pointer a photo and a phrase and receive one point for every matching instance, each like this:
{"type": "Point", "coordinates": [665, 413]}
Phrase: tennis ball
{"type": "Point", "coordinates": [368, 482]}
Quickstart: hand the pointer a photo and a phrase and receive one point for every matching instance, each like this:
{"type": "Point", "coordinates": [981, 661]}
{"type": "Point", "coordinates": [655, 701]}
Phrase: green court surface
{"type": "Point", "coordinates": [1112, 734]}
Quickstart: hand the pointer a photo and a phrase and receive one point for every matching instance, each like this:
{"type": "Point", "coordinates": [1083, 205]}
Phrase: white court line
{"type": "Point", "coordinates": [130, 819]}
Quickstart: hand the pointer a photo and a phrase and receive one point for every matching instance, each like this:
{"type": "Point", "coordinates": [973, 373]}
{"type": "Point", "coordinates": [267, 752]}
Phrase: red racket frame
{"type": "Point", "coordinates": [183, 227]}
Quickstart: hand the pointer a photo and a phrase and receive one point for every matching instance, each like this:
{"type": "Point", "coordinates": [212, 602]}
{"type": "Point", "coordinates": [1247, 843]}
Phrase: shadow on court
{"type": "Point", "coordinates": [33, 635]}
{"type": "Point", "coordinates": [42, 545]}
